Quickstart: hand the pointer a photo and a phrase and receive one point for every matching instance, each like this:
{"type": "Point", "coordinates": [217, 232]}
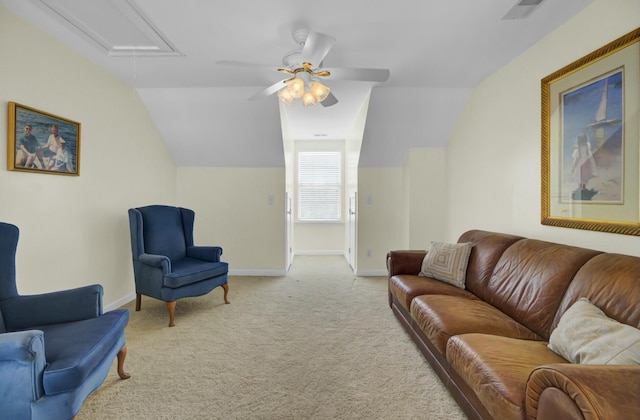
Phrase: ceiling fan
{"type": "Point", "coordinates": [303, 66]}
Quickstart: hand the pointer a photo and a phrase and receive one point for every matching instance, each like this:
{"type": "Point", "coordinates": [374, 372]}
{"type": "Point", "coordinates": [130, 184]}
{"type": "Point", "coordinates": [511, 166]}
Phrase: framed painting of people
{"type": "Point", "coordinates": [41, 142]}
{"type": "Point", "coordinates": [591, 141]}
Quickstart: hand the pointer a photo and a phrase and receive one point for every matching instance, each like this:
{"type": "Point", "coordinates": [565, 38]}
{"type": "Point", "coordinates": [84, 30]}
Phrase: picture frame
{"type": "Point", "coordinates": [590, 177]}
{"type": "Point", "coordinates": [41, 142]}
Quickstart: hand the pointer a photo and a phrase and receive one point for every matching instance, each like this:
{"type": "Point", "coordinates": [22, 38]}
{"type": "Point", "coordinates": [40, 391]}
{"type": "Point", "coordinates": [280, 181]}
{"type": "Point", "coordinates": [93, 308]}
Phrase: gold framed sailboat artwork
{"type": "Point", "coordinates": [591, 141]}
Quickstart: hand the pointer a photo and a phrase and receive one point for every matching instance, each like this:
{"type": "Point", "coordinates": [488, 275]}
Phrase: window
{"type": "Point", "coordinates": [319, 186]}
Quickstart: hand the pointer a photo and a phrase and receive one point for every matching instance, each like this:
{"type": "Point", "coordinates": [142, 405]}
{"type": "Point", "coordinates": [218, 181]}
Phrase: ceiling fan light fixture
{"type": "Point", "coordinates": [296, 87]}
{"type": "Point", "coordinates": [316, 92]}
{"type": "Point", "coordinates": [285, 96]}
{"type": "Point", "coordinates": [309, 99]}
{"type": "Point", "coordinates": [319, 90]}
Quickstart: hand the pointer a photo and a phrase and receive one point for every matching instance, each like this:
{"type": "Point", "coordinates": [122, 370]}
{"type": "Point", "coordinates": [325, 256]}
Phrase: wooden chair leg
{"type": "Point", "coordinates": [138, 301]}
{"type": "Point", "coordinates": [171, 307]}
{"type": "Point", "coordinates": [226, 292]}
{"type": "Point", "coordinates": [122, 354]}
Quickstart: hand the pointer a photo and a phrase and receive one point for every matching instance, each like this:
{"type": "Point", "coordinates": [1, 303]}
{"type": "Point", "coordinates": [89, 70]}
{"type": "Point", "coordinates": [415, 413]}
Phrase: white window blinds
{"type": "Point", "coordinates": [319, 186]}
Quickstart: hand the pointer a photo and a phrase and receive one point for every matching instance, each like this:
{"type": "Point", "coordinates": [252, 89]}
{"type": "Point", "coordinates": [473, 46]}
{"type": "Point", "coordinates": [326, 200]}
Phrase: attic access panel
{"type": "Point", "coordinates": [119, 27]}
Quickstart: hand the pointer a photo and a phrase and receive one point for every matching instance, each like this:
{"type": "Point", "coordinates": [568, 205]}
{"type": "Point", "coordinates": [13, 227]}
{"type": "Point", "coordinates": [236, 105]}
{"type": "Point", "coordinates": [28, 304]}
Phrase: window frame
{"type": "Point", "coordinates": [339, 184]}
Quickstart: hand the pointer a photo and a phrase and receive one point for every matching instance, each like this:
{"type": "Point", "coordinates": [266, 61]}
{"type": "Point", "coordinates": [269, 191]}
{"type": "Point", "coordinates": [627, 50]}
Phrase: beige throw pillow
{"type": "Point", "coordinates": [447, 262]}
{"type": "Point", "coordinates": [586, 335]}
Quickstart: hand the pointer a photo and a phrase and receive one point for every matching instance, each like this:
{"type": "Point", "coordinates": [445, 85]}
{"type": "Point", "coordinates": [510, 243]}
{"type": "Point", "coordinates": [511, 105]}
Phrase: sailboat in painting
{"type": "Point", "coordinates": [601, 121]}
{"type": "Point", "coordinates": [596, 131]}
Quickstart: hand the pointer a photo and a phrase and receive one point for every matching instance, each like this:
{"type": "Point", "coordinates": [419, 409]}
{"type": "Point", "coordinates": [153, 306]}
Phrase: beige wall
{"type": "Point", "coordinates": [424, 192]}
{"type": "Point", "coordinates": [380, 217]}
{"type": "Point", "coordinates": [242, 210]}
{"type": "Point", "coordinates": [493, 157]}
{"type": "Point", "coordinates": [400, 208]}
{"type": "Point", "coordinates": [319, 238]}
{"type": "Point", "coordinates": [74, 231]}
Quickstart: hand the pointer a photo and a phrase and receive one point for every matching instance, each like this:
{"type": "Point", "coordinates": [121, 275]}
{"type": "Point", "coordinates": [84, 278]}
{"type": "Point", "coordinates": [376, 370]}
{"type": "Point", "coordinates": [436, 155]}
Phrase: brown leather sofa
{"type": "Point", "coordinates": [488, 342]}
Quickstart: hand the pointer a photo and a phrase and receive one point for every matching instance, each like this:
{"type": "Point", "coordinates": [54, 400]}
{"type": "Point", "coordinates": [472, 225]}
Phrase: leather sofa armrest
{"type": "Point", "coordinates": [28, 311]}
{"type": "Point", "coordinates": [583, 391]}
{"type": "Point", "coordinates": [22, 359]}
{"type": "Point", "coordinates": [205, 253]}
{"type": "Point", "coordinates": [405, 261]}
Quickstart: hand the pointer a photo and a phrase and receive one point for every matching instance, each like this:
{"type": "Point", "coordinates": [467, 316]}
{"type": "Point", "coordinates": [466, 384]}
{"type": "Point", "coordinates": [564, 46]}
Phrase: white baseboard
{"type": "Point", "coordinates": [120, 302]}
{"type": "Point", "coordinates": [372, 273]}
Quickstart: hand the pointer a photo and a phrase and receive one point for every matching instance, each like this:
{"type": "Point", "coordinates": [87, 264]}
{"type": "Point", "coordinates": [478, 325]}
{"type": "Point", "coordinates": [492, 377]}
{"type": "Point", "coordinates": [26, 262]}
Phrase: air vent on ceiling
{"type": "Point", "coordinates": [117, 26]}
{"type": "Point", "coordinates": [522, 9]}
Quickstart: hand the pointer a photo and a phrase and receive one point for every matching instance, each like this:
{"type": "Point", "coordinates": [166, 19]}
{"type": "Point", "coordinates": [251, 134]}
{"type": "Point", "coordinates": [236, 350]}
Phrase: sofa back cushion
{"type": "Point", "coordinates": [530, 279]}
{"type": "Point", "coordinates": [612, 283]}
{"type": "Point", "coordinates": [487, 248]}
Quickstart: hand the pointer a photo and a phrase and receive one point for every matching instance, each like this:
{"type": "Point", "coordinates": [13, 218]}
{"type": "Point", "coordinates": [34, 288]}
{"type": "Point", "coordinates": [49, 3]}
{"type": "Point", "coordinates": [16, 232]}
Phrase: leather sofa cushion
{"type": "Point", "coordinates": [530, 279]}
{"type": "Point", "coordinates": [74, 349]}
{"type": "Point", "coordinates": [497, 369]}
{"type": "Point", "coordinates": [487, 250]}
{"type": "Point", "coordinates": [612, 283]}
{"type": "Point", "coordinates": [442, 317]}
{"type": "Point", "coordinates": [405, 287]}
{"type": "Point", "coordinates": [189, 270]}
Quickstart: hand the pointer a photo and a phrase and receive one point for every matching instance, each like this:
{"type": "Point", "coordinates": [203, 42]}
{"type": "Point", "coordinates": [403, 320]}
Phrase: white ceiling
{"type": "Point", "coordinates": [437, 48]}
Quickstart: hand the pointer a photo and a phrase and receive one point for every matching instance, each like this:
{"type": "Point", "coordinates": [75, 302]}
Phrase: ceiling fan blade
{"type": "Point", "coordinates": [330, 100]}
{"type": "Point", "coordinates": [365, 75]}
{"type": "Point", "coordinates": [316, 48]}
{"type": "Point", "coordinates": [269, 91]}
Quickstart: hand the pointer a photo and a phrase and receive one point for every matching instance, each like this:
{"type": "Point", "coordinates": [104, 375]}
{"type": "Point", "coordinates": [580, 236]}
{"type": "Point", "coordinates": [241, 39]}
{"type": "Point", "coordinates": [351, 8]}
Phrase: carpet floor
{"type": "Point", "coordinates": [318, 343]}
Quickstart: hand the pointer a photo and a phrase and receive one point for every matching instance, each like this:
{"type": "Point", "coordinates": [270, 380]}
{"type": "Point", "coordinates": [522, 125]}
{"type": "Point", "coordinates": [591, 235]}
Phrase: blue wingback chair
{"type": "Point", "coordinates": [55, 348]}
{"type": "Point", "coordinates": [166, 264]}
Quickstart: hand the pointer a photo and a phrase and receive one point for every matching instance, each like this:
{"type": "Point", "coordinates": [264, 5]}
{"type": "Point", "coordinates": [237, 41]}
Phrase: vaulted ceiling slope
{"type": "Point", "coordinates": [436, 50]}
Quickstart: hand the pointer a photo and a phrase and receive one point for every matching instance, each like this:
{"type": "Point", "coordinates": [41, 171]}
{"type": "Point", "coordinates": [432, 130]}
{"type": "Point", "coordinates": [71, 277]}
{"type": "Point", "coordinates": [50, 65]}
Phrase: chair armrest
{"type": "Point", "coordinates": [205, 253]}
{"type": "Point", "coordinates": [158, 261]}
{"type": "Point", "coordinates": [23, 312]}
{"type": "Point", "coordinates": [405, 262]}
{"type": "Point", "coordinates": [22, 359]}
{"type": "Point", "coordinates": [591, 391]}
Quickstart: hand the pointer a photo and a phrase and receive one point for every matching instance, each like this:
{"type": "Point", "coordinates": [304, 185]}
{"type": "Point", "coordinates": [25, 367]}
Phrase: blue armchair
{"type": "Point", "coordinates": [166, 264]}
{"type": "Point", "coordinates": [55, 348]}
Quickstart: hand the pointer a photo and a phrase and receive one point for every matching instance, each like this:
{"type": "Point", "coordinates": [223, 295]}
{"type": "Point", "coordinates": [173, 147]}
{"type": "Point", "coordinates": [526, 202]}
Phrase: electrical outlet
{"type": "Point", "coordinates": [368, 253]}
